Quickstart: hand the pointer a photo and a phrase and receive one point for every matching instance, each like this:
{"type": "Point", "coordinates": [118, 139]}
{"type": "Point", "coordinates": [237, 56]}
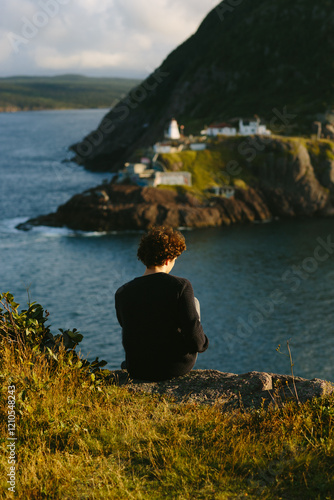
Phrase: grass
{"type": "Point", "coordinates": [211, 167]}
{"type": "Point", "coordinates": [322, 149]}
{"type": "Point", "coordinates": [208, 167]}
{"type": "Point", "coordinates": [80, 439]}
{"type": "Point", "coordinates": [78, 436]}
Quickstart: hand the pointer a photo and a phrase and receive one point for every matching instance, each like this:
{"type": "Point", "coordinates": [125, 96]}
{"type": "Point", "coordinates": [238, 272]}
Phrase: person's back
{"type": "Point", "coordinates": [161, 329]}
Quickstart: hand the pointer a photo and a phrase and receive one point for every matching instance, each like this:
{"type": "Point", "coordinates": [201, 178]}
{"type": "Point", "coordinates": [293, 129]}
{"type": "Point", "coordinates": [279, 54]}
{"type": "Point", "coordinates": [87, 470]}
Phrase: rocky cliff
{"type": "Point", "coordinates": [267, 57]}
{"type": "Point", "coordinates": [285, 178]}
{"type": "Point", "coordinates": [293, 181]}
{"type": "Point", "coordinates": [126, 207]}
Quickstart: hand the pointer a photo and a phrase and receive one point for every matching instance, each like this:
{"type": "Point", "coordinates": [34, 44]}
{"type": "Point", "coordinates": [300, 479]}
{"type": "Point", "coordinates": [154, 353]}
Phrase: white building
{"type": "Point", "coordinates": [131, 171]}
{"type": "Point", "coordinates": [139, 174]}
{"type": "Point", "coordinates": [219, 129]}
{"type": "Point", "coordinates": [248, 127]}
{"type": "Point", "coordinates": [135, 168]}
{"type": "Point", "coordinates": [224, 191]}
{"type": "Point", "coordinates": [173, 132]}
{"type": "Point", "coordinates": [197, 146]}
{"type": "Point", "coordinates": [162, 148]}
{"type": "Point", "coordinates": [172, 178]}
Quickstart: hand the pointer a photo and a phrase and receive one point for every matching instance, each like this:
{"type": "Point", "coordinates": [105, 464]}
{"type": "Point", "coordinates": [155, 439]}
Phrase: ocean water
{"type": "Point", "coordinates": [259, 285]}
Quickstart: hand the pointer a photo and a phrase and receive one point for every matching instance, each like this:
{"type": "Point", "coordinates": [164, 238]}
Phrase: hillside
{"type": "Point", "coordinates": [23, 93]}
{"type": "Point", "coordinates": [272, 58]}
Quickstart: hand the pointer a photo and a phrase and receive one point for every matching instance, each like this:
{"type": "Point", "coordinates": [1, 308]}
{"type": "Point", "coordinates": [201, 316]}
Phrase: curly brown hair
{"type": "Point", "coordinates": [160, 244]}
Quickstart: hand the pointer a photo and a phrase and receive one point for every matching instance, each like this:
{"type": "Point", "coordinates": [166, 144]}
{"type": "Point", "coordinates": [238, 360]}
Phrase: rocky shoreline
{"type": "Point", "coordinates": [127, 207]}
{"type": "Point", "coordinates": [229, 391]}
{"type": "Point", "coordinates": [119, 207]}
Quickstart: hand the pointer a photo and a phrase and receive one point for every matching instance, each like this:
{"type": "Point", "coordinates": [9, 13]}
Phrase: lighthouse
{"type": "Point", "coordinates": [173, 131]}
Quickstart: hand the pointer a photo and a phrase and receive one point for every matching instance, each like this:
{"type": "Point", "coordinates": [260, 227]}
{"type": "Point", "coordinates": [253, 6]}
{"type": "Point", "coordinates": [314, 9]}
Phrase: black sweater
{"type": "Point", "coordinates": [161, 330]}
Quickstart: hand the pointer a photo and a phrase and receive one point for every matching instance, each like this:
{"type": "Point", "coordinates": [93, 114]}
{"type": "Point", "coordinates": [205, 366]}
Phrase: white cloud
{"type": "Point", "coordinates": [85, 59]}
{"type": "Point", "coordinates": [5, 47]}
{"type": "Point", "coordinates": [110, 37]}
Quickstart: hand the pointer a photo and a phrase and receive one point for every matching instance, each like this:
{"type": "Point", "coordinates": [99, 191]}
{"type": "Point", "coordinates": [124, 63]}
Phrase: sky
{"type": "Point", "coordinates": [114, 38]}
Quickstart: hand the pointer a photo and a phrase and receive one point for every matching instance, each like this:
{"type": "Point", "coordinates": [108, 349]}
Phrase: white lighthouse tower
{"type": "Point", "coordinates": [173, 131]}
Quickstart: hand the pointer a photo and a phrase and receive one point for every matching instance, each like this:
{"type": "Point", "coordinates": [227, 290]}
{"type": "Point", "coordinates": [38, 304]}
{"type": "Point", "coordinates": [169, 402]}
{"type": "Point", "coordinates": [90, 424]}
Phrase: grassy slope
{"type": "Point", "coordinates": [79, 437]}
{"type": "Point", "coordinates": [211, 166]}
{"type": "Point", "coordinates": [62, 92]}
{"type": "Point", "coordinates": [79, 440]}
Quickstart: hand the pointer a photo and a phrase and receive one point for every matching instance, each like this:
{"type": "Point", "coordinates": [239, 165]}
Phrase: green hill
{"type": "Point", "coordinates": [61, 92]}
{"type": "Point", "coordinates": [263, 57]}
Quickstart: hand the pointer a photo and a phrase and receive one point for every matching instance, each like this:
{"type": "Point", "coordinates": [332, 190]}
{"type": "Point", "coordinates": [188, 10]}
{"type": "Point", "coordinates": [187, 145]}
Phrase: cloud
{"type": "Point", "coordinates": [84, 59]}
{"type": "Point", "coordinates": [108, 37]}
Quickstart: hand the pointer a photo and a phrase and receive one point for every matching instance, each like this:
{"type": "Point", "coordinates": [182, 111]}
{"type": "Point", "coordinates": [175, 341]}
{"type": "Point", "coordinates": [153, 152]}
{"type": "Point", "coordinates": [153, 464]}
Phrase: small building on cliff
{"type": "Point", "coordinates": [172, 178]}
{"type": "Point", "coordinates": [167, 147]}
{"type": "Point", "coordinates": [252, 127]}
{"type": "Point", "coordinates": [224, 191]}
{"type": "Point", "coordinates": [142, 174]}
{"type": "Point", "coordinates": [216, 129]}
{"type": "Point", "coordinates": [197, 146]}
{"type": "Point", "coordinates": [245, 127]}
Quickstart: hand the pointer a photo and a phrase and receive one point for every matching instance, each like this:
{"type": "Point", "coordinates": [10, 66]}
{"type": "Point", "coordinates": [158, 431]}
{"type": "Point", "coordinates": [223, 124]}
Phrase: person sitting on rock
{"type": "Point", "coordinates": [158, 313]}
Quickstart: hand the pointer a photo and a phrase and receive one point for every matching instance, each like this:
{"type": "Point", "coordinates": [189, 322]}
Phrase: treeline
{"type": "Point", "coordinates": [61, 92]}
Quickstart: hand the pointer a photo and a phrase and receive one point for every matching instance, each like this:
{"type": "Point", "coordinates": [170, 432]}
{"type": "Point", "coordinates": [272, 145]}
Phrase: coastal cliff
{"type": "Point", "coordinates": [286, 177]}
{"type": "Point", "coordinates": [126, 207]}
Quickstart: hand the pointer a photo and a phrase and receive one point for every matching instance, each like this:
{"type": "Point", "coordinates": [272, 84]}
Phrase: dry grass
{"type": "Point", "coordinates": [79, 440]}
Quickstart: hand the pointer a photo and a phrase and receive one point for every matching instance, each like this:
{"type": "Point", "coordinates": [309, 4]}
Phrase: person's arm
{"type": "Point", "coordinates": [191, 328]}
{"type": "Point", "coordinates": [117, 308]}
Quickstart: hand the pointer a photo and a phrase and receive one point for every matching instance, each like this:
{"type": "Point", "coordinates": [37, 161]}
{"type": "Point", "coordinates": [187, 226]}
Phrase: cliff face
{"type": "Point", "coordinates": [266, 57]}
{"type": "Point", "coordinates": [285, 174]}
{"type": "Point", "coordinates": [119, 207]}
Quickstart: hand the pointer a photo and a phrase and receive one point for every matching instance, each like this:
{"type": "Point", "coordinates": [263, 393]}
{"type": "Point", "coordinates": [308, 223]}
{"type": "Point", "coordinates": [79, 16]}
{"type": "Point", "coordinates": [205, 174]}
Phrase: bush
{"type": "Point", "coordinates": [27, 330]}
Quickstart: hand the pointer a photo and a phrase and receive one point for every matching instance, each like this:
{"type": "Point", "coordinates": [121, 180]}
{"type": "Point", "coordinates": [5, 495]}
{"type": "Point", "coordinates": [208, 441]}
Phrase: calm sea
{"type": "Point", "coordinates": [259, 285]}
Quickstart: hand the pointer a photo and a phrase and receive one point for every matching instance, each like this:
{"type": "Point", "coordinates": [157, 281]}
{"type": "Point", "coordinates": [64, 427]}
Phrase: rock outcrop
{"type": "Point", "coordinates": [288, 180]}
{"type": "Point", "coordinates": [113, 207]}
{"type": "Point", "coordinates": [229, 391]}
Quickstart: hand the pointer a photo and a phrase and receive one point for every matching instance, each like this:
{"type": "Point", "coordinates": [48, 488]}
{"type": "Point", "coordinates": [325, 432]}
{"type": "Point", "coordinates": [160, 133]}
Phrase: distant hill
{"type": "Point", "coordinates": [61, 92]}
{"type": "Point", "coordinates": [271, 58]}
